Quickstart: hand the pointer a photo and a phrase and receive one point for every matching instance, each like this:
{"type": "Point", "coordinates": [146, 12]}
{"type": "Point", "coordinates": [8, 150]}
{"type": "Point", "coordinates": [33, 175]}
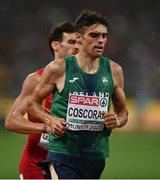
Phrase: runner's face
{"type": "Point", "coordinates": [94, 39]}
{"type": "Point", "coordinates": [68, 45]}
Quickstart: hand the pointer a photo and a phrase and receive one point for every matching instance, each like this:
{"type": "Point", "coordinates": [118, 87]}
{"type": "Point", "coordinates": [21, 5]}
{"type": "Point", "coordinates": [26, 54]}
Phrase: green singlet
{"type": "Point", "coordinates": [81, 103]}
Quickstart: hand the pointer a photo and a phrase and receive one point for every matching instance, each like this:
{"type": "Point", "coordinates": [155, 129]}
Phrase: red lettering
{"type": "Point", "coordinates": [73, 99]}
{"type": "Point", "coordinates": [84, 100]}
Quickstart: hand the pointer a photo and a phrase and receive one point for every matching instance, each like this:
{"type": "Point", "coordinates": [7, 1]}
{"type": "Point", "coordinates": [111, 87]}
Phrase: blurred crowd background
{"type": "Point", "coordinates": [133, 42]}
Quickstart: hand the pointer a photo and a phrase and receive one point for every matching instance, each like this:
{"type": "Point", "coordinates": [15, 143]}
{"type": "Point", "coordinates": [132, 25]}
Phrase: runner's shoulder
{"type": "Point", "coordinates": [34, 77]}
{"type": "Point", "coordinates": [56, 66]}
{"type": "Point", "coordinates": [116, 68]}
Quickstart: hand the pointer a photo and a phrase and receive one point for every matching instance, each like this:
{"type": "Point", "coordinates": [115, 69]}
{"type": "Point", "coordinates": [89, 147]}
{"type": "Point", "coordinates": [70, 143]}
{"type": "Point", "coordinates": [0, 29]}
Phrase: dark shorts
{"type": "Point", "coordinates": [68, 167]}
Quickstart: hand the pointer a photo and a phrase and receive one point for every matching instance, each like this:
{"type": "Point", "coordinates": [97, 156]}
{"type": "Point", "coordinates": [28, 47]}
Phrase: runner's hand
{"type": "Point", "coordinates": [111, 120]}
{"type": "Point", "coordinates": [56, 126]}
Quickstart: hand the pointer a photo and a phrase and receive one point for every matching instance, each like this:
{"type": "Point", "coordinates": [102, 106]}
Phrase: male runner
{"type": "Point", "coordinates": [83, 87]}
{"type": "Point", "coordinates": [62, 42]}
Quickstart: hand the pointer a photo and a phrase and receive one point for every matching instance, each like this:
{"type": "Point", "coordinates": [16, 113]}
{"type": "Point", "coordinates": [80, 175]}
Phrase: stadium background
{"type": "Point", "coordinates": [134, 42]}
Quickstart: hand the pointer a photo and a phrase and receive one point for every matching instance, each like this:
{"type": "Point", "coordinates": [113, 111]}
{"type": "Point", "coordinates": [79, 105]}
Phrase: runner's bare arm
{"type": "Point", "coordinates": [51, 75]}
{"type": "Point", "coordinates": [15, 120]}
{"type": "Point", "coordinates": [120, 116]}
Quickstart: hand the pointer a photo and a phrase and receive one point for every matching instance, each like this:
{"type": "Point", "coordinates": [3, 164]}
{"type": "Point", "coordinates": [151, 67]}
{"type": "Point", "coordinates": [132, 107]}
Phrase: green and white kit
{"type": "Point", "coordinates": [81, 103]}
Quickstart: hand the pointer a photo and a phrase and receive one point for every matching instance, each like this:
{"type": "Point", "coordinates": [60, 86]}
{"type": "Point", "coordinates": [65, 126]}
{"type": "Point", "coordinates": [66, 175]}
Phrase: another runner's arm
{"type": "Point", "coordinates": [51, 75]}
{"type": "Point", "coordinates": [119, 98]}
{"type": "Point", "coordinates": [15, 120]}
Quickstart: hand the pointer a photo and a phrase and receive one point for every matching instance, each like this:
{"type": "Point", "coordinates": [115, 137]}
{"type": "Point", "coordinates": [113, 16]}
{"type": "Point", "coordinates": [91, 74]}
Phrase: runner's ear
{"type": "Point", "coordinates": [55, 45]}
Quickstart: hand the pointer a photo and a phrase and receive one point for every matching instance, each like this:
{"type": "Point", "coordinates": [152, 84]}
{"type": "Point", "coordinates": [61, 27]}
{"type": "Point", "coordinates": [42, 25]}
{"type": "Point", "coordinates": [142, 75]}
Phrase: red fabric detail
{"type": "Point", "coordinates": [33, 153]}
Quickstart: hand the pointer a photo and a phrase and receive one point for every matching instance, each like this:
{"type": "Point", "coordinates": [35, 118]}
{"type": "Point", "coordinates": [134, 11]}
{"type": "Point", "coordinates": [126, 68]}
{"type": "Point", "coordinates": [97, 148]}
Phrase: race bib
{"type": "Point", "coordinates": [44, 140]}
{"type": "Point", "coordinates": [85, 112]}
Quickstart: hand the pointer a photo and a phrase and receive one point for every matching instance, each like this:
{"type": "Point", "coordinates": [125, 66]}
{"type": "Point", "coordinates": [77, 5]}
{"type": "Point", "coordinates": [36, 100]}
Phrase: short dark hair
{"type": "Point", "coordinates": [88, 18]}
{"type": "Point", "coordinates": [56, 33]}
